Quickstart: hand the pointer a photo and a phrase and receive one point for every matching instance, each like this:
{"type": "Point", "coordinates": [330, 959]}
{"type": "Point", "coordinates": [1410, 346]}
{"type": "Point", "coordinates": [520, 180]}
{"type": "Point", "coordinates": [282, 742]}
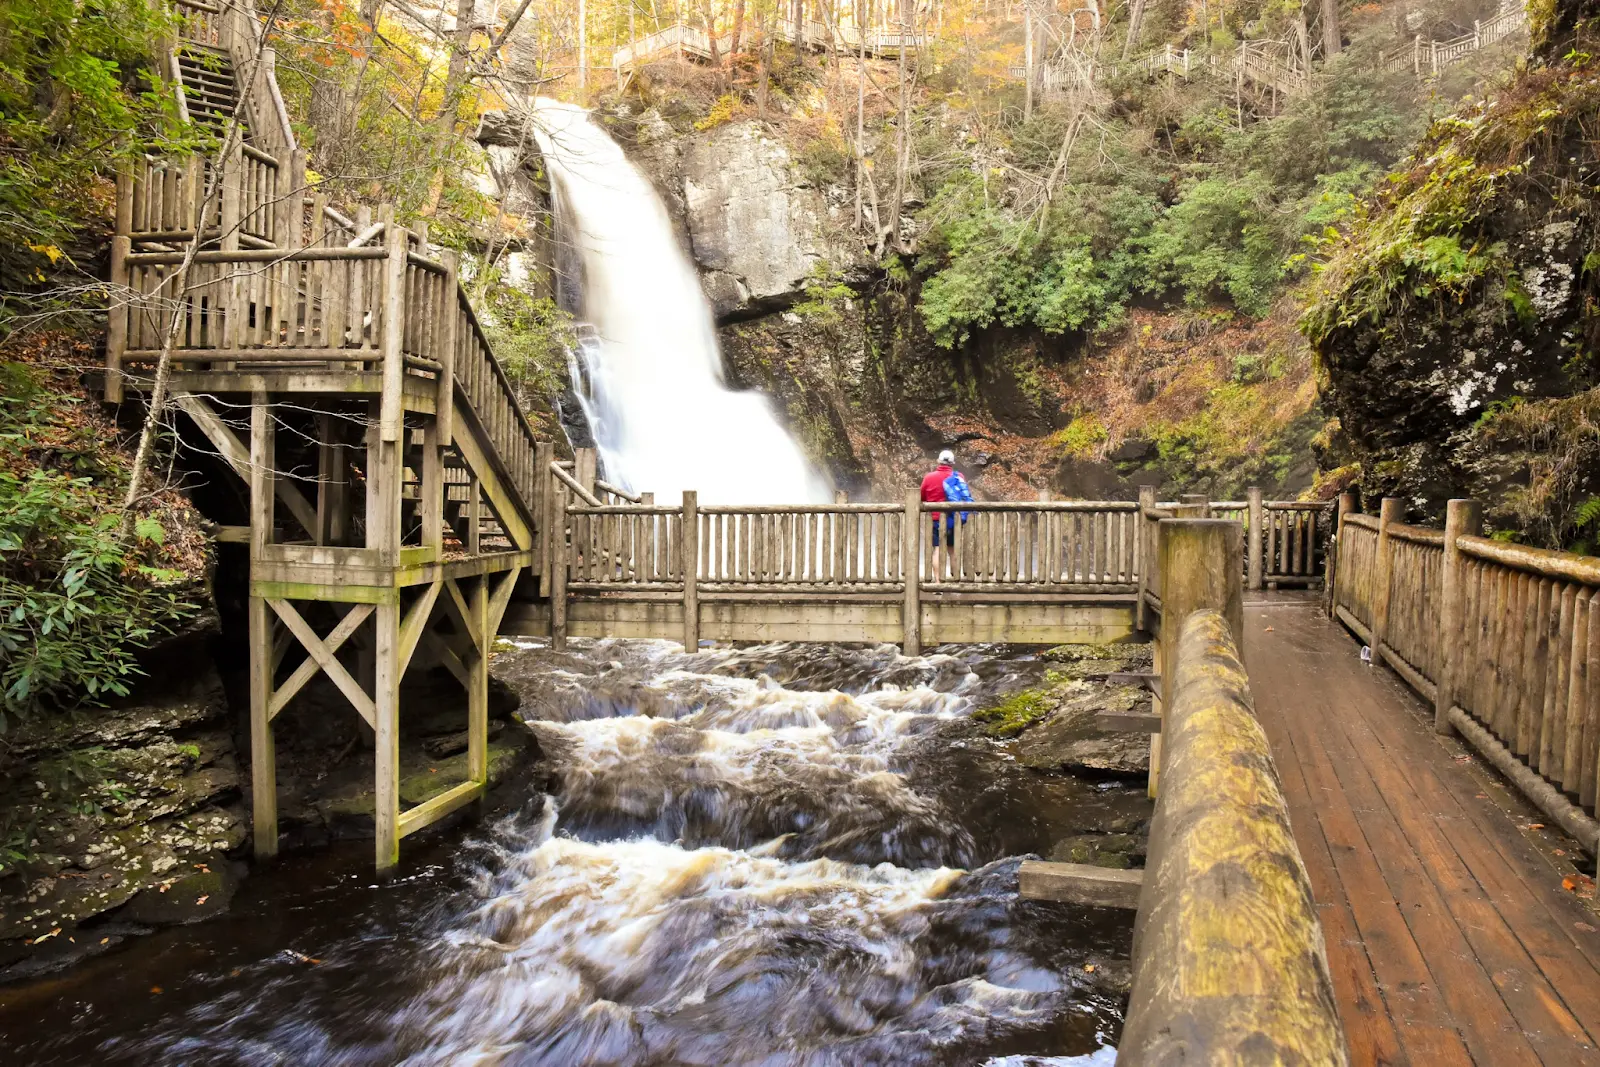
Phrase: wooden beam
{"type": "Point", "coordinates": [386, 727]}
{"type": "Point", "coordinates": [392, 312]}
{"type": "Point", "coordinates": [447, 655]}
{"type": "Point", "coordinates": [458, 609]}
{"type": "Point", "coordinates": [230, 448]}
{"type": "Point", "coordinates": [416, 621]}
{"type": "Point", "coordinates": [498, 602]}
{"type": "Point", "coordinates": [431, 811]}
{"type": "Point", "coordinates": [911, 564]}
{"type": "Point", "coordinates": [1129, 721]}
{"type": "Point", "coordinates": [307, 670]}
{"type": "Point", "coordinates": [1079, 883]}
{"type": "Point", "coordinates": [689, 568]}
{"type": "Point", "coordinates": [263, 752]}
{"type": "Point", "coordinates": [319, 651]}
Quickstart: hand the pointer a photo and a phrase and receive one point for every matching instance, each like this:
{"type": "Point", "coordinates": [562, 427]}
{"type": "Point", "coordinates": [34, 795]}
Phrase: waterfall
{"type": "Point", "coordinates": [663, 417]}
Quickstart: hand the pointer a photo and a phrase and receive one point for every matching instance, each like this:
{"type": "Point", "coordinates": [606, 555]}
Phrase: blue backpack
{"type": "Point", "coordinates": [956, 491]}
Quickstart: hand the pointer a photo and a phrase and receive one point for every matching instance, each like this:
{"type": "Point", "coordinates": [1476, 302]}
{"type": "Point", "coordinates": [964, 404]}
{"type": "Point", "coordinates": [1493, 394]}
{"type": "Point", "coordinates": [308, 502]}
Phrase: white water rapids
{"type": "Point", "coordinates": [662, 414]}
{"type": "Point", "coordinates": [783, 856]}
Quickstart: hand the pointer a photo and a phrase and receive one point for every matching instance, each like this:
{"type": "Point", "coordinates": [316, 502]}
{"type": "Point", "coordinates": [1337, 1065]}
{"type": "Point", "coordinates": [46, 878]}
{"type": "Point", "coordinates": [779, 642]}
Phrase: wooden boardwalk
{"type": "Point", "coordinates": [1450, 937]}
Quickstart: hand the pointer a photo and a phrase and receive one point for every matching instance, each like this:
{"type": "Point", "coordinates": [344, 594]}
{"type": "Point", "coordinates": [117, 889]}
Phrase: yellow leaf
{"type": "Point", "coordinates": [50, 251]}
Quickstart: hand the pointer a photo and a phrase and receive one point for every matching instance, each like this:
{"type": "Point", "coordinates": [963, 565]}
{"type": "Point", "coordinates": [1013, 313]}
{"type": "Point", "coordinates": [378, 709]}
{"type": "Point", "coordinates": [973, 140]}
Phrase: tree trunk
{"type": "Point", "coordinates": [766, 63]}
{"type": "Point", "coordinates": [1330, 29]}
{"type": "Point", "coordinates": [1135, 17]}
{"type": "Point", "coordinates": [738, 27]}
{"type": "Point", "coordinates": [902, 135]}
{"type": "Point", "coordinates": [1027, 61]}
{"type": "Point", "coordinates": [583, 43]}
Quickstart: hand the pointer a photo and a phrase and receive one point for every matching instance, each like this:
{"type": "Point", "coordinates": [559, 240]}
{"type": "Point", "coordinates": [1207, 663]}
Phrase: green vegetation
{"type": "Point", "coordinates": [1015, 713]}
{"type": "Point", "coordinates": [76, 601]}
{"type": "Point", "coordinates": [1178, 196]}
{"type": "Point", "coordinates": [76, 97]}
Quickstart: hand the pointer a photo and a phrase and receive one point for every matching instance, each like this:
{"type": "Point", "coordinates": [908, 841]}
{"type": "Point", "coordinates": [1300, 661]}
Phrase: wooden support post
{"type": "Point", "coordinates": [841, 496]}
{"type": "Point", "coordinates": [1199, 501]}
{"type": "Point", "coordinates": [911, 554]}
{"type": "Point", "coordinates": [585, 467]}
{"type": "Point", "coordinates": [447, 339]}
{"type": "Point", "coordinates": [263, 758]}
{"type": "Point", "coordinates": [391, 411]}
{"type": "Point", "coordinates": [478, 691]}
{"type": "Point", "coordinates": [558, 567]}
{"type": "Point", "coordinates": [1254, 562]}
{"type": "Point", "coordinates": [431, 506]}
{"type": "Point", "coordinates": [1392, 511]}
{"type": "Point", "coordinates": [1147, 499]}
{"type": "Point", "coordinates": [1200, 568]}
{"type": "Point", "coordinates": [123, 306]}
{"type": "Point", "coordinates": [1461, 517]}
{"type": "Point", "coordinates": [544, 454]}
{"type": "Point", "coordinates": [1347, 504]}
{"type": "Point", "coordinates": [386, 726]}
{"type": "Point", "coordinates": [689, 565]}
{"type": "Point", "coordinates": [474, 543]}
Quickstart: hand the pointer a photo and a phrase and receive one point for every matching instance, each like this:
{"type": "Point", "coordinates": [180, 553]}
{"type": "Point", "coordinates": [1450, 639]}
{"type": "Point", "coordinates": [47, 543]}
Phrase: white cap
{"type": "Point", "coordinates": [947, 458]}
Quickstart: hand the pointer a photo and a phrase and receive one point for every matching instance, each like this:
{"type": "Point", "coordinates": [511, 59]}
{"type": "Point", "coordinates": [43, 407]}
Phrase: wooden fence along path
{"type": "Point", "coordinates": [1502, 640]}
{"type": "Point", "coordinates": [1046, 571]}
{"type": "Point", "coordinates": [1273, 65]}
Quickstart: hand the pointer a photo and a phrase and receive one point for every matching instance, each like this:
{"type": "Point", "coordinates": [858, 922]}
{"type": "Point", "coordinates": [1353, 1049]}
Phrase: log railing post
{"type": "Point", "coordinates": [1254, 562]}
{"type": "Point", "coordinates": [1347, 504]}
{"type": "Point", "coordinates": [558, 567]}
{"type": "Point", "coordinates": [122, 306]}
{"type": "Point", "coordinates": [446, 339]}
{"type": "Point", "coordinates": [391, 413]}
{"type": "Point", "coordinates": [911, 555]}
{"type": "Point", "coordinates": [1147, 499]}
{"type": "Point", "coordinates": [689, 566]}
{"type": "Point", "coordinates": [1391, 512]}
{"type": "Point", "coordinates": [544, 454]}
{"type": "Point", "coordinates": [1200, 568]}
{"type": "Point", "coordinates": [1461, 517]}
{"type": "Point", "coordinates": [585, 467]}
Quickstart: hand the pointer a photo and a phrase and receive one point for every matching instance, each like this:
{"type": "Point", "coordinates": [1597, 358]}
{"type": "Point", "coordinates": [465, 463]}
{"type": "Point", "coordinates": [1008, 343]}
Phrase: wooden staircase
{"type": "Point", "coordinates": [397, 536]}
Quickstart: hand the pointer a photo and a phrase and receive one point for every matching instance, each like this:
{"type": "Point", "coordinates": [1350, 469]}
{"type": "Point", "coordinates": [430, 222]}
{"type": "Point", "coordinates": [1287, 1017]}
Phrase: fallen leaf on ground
{"type": "Point", "coordinates": [1585, 927]}
{"type": "Point", "coordinates": [155, 989]}
{"type": "Point", "coordinates": [1089, 967]}
{"type": "Point", "coordinates": [1268, 630]}
{"type": "Point", "coordinates": [104, 940]}
{"type": "Point", "coordinates": [1483, 796]}
{"type": "Point", "coordinates": [1536, 826]}
{"type": "Point", "coordinates": [202, 899]}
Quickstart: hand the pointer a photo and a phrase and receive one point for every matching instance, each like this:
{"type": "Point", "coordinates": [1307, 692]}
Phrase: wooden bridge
{"type": "Point", "coordinates": [399, 512]}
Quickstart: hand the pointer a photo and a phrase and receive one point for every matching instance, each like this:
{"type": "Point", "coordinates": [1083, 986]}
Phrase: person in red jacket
{"type": "Point", "coordinates": [936, 486]}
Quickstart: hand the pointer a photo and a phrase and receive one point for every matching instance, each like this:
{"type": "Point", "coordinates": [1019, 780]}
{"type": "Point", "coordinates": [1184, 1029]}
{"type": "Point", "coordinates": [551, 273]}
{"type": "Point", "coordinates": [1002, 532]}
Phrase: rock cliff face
{"type": "Point", "coordinates": [756, 227]}
{"type": "Point", "coordinates": [1458, 326]}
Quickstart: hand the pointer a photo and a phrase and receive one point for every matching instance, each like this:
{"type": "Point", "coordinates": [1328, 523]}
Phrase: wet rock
{"type": "Point", "coordinates": [1109, 975]}
{"type": "Point", "coordinates": [1119, 851]}
{"type": "Point", "coordinates": [202, 892]}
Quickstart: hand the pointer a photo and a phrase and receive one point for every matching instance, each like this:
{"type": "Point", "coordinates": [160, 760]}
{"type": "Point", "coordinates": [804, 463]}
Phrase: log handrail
{"type": "Point", "coordinates": [1229, 962]}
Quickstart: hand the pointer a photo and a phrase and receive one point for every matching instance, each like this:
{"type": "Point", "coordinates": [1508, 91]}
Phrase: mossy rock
{"type": "Point", "coordinates": [1117, 851]}
{"type": "Point", "coordinates": [1016, 713]}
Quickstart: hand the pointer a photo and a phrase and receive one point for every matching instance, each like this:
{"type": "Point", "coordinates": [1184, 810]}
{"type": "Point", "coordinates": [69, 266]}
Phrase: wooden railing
{"type": "Point", "coordinates": [677, 40]}
{"type": "Point", "coordinates": [1425, 58]}
{"type": "Point", "coordinates": [1091, 546]}
{"type": "Point", "coordinates": [1503, 640]}
{"type": "Point", "coordinates": [1230, 964]}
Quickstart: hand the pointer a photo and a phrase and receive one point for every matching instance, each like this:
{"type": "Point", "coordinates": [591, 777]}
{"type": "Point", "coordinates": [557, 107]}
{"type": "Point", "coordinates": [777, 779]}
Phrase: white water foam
{"type": "Point", "coordinates": [662, 414]}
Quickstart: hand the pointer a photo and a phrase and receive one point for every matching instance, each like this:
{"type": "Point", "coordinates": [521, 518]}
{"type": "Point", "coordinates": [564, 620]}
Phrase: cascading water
{"type": "Point", "coordinates": [663, 417]}
{"type": "Point", "coordinates": [785, 855]}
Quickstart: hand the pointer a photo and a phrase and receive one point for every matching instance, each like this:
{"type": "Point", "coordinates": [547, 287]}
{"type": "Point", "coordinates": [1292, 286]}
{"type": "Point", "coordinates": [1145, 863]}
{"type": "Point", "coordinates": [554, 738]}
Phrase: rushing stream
{"type": "Point", "coordinates": [778, 855]}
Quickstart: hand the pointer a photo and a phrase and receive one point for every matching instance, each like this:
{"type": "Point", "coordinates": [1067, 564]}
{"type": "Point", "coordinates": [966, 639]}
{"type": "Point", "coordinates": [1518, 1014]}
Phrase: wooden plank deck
{"type": "Point", "coordinates": [1450, 937]}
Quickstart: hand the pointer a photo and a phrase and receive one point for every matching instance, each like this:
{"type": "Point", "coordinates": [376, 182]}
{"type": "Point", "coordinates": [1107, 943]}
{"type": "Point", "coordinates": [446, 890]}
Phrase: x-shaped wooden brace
{"type": "Point", "coordinates": [321, 652]}
{"type": "Point", "coordinates": [467, 640]}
